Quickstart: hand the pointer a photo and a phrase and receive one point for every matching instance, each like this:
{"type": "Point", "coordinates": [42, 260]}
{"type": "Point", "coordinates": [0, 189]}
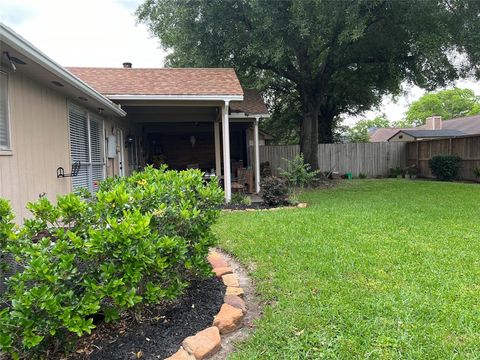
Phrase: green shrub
{"type": "Point", "coordinates": [476, 172]}
{"type": "Point", "coordinates": [139, 240]}
{"type": "Point", "coordinates": [395, 172]}
{"type": "Point", "coordinates": [240, 199]}
{"type": "Point", "coordinates": [298, 173]}
{"type": "Point", "coordinates": [445, 167]}
{"type": "Point", "coordinates": [274, 191]}
{"type": "Point", "coordinates": [362, 176]}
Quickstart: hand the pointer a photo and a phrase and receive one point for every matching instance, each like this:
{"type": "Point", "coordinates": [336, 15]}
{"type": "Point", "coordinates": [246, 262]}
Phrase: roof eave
{"type": "Point", "coordinates": [23, 46]}
{"type": "Point", "coordinates": [200, 97]}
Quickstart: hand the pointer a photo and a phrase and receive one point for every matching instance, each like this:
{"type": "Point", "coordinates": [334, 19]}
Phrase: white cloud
{"type": "Point", "coordinates": [85, 33]}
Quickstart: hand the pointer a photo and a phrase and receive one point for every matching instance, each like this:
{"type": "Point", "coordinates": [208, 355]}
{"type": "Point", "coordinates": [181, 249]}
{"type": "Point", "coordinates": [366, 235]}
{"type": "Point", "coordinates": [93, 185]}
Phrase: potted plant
{"type": "Point", "coordinates": [476, 173]}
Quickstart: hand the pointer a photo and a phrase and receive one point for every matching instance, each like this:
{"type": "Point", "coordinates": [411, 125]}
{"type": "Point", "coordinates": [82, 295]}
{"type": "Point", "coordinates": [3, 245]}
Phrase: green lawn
{"type": "Point", "coordinates": [372, 269]}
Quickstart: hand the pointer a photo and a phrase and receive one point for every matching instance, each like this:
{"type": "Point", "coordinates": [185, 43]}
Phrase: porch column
{"type": "Point", "coordinates": [227, 181]}
{"type": "Point", "coordinates": [257, 154]}
{"type": "Point", "coordinates": [218, 156]}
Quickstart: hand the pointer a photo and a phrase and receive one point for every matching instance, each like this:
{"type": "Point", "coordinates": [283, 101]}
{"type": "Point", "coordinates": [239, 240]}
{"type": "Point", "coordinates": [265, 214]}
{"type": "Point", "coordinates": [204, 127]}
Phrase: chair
{"type": "Point", "coordinates": [238, 183]}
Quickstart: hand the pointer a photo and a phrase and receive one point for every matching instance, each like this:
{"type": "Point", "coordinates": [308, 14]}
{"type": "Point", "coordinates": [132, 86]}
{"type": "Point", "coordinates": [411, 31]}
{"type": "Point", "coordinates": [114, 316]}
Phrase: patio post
{"type": "Point", "coordinates": [227, 181]}
{"type": "Point", "coordinates": [218, 156]}
{"type": "Point", "coordinates": [257, 154]}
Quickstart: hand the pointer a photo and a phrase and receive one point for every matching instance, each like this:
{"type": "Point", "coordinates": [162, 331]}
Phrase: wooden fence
{"type": "Point", "coordinates": [372, 159]}
{"type": "Point", "coordinates": [467, 147]}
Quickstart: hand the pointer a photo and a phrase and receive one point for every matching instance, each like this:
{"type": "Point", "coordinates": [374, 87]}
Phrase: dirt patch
{"type": "Point", "coordinates": [161, 331]}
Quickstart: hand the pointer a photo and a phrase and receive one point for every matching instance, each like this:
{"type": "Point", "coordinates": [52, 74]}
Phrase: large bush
{"type": "Point", "coordinates": [139, 240]}
{"type": "Point", "coordinates": [274, 191]}
{"type": "Point", "coordinates": [445, 167]}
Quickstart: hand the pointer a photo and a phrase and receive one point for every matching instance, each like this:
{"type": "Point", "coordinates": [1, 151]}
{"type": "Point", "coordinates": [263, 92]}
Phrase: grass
{"type": "Point", "coordinates": [379, 269]}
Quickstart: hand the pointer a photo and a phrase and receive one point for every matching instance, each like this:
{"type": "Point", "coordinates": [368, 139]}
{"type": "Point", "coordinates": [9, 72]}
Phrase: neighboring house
{"type": "Point", "coordinates": [416, 135]}
{"type": "Point", "coordinates": [116, 120]}
{"type": "Point", "coordinates": [438, 128]}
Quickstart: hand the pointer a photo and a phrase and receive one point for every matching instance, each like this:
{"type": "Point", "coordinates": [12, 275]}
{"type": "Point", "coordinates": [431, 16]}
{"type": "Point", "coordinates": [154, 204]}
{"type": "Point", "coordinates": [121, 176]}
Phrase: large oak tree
{"type": "Point", "coordinates": [332, 57]}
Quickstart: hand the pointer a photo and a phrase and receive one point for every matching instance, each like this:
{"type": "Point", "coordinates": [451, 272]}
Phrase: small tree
{"type": "Point", "coordinates": [298, 175]}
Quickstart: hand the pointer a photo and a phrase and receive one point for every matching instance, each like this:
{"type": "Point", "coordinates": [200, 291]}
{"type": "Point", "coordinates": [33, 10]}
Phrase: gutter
{"type": "Point", "coordinates": [226, 97]}
{"type": "Point", "coordinates": [28, 50]}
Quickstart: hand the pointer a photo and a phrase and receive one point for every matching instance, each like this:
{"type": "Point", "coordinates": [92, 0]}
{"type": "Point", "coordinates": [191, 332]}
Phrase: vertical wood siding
{"type": "Point", "coordinates": [372, 159]}
{"type": "Point", "coordinates": [468, 148]}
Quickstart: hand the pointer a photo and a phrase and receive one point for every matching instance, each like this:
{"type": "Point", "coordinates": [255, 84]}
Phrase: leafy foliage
{"type": "Point", "coordinates": [476, 172]}
{"type": "Point", "coordinates": [445, 167]}
{"type": "Point", "coordinates": [359, 132]}
{"type": "Point", "coordinates": [448, 104]}
{"type": "Point", "coordinates": [298, 173]}
{"type": "Point", "coordinates": [324, 58]}
{"type": "Point", "coordinates": [138, 241]}
{"type": "Point", "coordinates": [240, 199]}
{"type": "Point", "coordinates": [274, 191]}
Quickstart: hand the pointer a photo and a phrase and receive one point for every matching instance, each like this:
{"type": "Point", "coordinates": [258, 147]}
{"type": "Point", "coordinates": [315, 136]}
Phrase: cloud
{"type": "Point", "coordinates": [15, 13]}
{"type": "Point", "coordinates": [85, 33]}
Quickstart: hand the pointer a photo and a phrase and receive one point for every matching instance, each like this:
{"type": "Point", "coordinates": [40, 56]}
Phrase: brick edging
{"type": "Point", "coordinates": [208, 342]}
{"type": "Point", "coordinates": [298, 206]}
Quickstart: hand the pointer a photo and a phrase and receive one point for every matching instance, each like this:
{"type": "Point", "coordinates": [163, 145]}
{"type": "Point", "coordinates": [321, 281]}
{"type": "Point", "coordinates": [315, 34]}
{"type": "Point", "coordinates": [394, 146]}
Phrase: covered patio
{"type": "Point", "coordinates": [188, 118]}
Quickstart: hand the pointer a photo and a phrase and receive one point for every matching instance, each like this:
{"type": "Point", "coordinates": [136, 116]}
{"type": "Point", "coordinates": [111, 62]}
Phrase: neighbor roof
{"type": "Point", "coordinates": [430, 133]}
{"type": "Point", "coordinates": [384, 134]}
{"type": "Point", "coordinates": [161, 81]}
{"type": "Point", "coordinates": [252, 103]}
{"type": "Point", "coordinates": [469, 125]}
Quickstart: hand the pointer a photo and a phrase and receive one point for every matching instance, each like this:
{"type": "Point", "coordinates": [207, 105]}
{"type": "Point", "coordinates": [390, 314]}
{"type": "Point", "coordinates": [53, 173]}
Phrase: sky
{"type": "Point", "coordinates": [105, 33]}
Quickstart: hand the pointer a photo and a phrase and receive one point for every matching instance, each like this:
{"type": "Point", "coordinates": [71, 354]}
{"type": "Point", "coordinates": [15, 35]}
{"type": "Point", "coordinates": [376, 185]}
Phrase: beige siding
{"type": "Point", "coordinates": [40, 143]}
{"type": "Point", "coordinates": [39, 133]}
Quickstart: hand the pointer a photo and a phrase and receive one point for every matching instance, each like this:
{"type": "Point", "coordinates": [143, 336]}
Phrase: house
{"type": "Point", "coordinates": [416, 135]}
{"type": "Point", "coordinates": [436, 127]}
{"type": "Point", "coordinates": [112, 121]}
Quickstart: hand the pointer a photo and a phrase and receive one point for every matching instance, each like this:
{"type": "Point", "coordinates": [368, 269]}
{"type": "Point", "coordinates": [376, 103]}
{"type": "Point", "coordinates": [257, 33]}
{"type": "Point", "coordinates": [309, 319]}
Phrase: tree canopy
{"type": "Point", "coordinates": [448, 104]}
{"type": "Point", "coordinates": [330, 57]}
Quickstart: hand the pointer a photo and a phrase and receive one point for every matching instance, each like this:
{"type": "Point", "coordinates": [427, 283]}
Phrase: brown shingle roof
{"type": "Point", "coordinates": [469, 125]}
{"type": "Point", "coordinates": [252, 103]}
{"type": "Point", "coordinates": [160, 81]}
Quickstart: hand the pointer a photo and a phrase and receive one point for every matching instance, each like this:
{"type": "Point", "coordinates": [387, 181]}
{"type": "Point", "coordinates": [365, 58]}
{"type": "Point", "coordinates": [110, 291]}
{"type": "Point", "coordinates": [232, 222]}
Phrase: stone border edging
{"type": "Point", "coordinates": [208, 342]}
{"type": "Point", "coordinates": [298, 206]}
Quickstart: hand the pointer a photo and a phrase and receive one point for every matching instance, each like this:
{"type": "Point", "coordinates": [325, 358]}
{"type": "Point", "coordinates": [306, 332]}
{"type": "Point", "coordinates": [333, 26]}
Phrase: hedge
{"type": "Point", "coordinates": [138, 240]}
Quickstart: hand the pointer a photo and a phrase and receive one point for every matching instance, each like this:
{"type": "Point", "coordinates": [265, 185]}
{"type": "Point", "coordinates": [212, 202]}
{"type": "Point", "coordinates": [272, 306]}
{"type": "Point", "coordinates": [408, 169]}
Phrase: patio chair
{"type": "Point", "coordinates": [239, 182]}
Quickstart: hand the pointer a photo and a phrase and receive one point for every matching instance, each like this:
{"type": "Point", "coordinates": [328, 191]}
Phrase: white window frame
{"type": "Point", "coordinates": [8, 150]}
{"type": "Point", "coordinates": [89, 164]}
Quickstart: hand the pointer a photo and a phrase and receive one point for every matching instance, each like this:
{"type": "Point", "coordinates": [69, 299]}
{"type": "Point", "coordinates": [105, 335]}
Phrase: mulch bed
{"type": "Point", "coordinates": [160, 331]}
{"type": "Point", "coordinates": [255, 206]}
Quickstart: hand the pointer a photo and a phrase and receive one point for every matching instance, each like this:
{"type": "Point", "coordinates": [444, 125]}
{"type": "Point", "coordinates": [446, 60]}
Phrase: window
{"type": "Point", "coordinates": [4, 121]}
{"type": "Point", "coordinates": [86, 146]}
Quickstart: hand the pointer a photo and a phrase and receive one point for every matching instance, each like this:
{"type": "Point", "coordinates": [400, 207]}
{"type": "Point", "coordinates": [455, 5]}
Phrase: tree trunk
{"type": "Point", "coordinates": [325, 128]}
{"type": "Point", "coordinates": [309, 130]}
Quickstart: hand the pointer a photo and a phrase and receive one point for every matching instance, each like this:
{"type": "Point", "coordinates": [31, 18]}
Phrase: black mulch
{"type": "Point", "coordinates": [255, 206]}
{"type": "Point", "coordinates": [161, 334]}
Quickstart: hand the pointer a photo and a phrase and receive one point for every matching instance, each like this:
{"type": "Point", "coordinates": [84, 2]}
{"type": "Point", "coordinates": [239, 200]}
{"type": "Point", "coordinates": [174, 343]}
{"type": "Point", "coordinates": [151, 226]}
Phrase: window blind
{"type": "Point", "coordinates": [86, 146]}
{"type": "Point", "coordinates": [4, 126]}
